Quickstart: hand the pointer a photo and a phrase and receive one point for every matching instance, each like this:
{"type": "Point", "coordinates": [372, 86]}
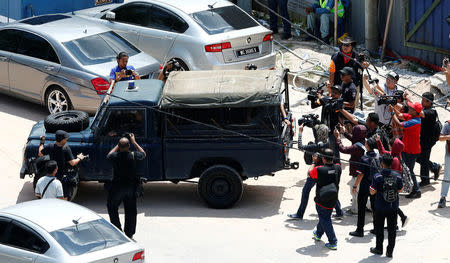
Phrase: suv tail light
{"type": "Point", "coordinates": [139, 255]}
{"type": "Point", "coordinates": [268, 37]}
{"type": "Point", "coordinates": [217, 47]}
{"type": "Point", "coordinates": [100, 85]}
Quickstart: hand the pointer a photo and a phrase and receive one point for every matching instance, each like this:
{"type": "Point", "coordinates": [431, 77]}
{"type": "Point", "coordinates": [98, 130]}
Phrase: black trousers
{"type": "Point", "coordinates": [363, 196]}
{"type": "Point", "coordinates": [391, 216]}
{"type": "Point", "coordinates": [425, 164]}
{"type": "Point", "coordinates": [127, 195]}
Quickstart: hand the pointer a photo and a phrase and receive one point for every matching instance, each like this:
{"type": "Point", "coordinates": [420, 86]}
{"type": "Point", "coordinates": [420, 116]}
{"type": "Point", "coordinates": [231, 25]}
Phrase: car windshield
{"type": "Point", "coordinates": [223, 19]}
{"type": "Point", "coordinates": [88, 237]}
{"type": "Point", "coordinates": [100, 48]}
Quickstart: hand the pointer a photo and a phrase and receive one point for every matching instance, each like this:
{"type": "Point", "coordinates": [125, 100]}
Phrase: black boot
{"type": "Point", "coordinates": [377, 251]}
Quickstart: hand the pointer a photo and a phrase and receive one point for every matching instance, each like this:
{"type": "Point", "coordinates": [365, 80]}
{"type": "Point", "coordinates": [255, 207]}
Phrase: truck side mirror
{"type": "Point", "coordinates": [110, 16]}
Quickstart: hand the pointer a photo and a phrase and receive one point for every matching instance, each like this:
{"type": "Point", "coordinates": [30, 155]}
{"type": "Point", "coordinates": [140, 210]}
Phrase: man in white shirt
{"type": "Point", "coordinates": [49, 186]}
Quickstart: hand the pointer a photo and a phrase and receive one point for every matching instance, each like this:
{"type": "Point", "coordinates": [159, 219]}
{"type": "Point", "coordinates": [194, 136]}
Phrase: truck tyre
{"type": "Point", "coordinates": [69, 121]}
{"type": "Point", "coordinates": [220, 186]}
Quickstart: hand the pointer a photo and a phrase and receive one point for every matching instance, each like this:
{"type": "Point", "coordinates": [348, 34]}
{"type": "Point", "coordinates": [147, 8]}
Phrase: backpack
{"type": "Point", "coordinates": [390, 193]}
{"type": "Point", "coordinates": [329, 194]}
{"type": "Point", "coordinates": [436, 130]}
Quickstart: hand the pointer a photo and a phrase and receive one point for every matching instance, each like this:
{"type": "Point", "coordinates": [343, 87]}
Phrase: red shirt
{"type": "Point", "coordinates": [411, 135]}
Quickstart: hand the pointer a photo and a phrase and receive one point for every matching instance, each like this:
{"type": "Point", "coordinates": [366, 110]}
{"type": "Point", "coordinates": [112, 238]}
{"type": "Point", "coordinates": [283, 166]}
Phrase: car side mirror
{"type": "Point", "coordinates": [110, 16]}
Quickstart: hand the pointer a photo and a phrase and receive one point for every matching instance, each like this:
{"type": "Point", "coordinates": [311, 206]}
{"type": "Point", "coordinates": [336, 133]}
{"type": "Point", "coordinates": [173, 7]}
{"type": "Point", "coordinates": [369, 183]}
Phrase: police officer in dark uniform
{"type": "Point", "coordinates": [124, 184]}
{"type": "Point", "coordinates": [62, 154]}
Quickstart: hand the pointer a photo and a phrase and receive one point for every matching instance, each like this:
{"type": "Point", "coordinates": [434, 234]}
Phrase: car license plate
{"type": "Point", "coordinates": [247, 51]}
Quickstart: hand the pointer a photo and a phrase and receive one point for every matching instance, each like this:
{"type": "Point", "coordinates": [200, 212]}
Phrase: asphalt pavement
{"type": "Point", "coordinates": [175, 226]}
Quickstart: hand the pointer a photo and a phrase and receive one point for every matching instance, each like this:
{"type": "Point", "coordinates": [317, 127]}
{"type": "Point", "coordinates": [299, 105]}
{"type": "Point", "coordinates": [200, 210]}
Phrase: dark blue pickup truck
{"type": "Point", "coordinates": [220, 126]}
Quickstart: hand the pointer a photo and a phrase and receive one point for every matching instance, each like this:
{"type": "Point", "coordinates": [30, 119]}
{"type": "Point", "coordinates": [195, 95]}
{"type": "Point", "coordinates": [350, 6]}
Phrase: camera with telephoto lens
{"type": "Point", "coordinates": [391, 99]}
{"type": "Point", "coordinates": [309, 120]}
{"type": "Point", "coordinates": [313, 92]}
{"type": "Point", "coordinates": [176, 66]}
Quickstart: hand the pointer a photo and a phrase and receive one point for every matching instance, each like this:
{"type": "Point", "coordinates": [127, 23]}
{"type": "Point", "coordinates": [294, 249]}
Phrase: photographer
{"type": "Point", "coordinates": [330, 113]}
{"type": "Point", "coordinates": [122, 71]}
{"type": "Point", "coordinates": [171, 65]}
{"type": "Point", "coordinates": [62, 154]}
{"type": "Point", "coordinates": [446, 69]}
{"type": "Point", "coordinates": [356, 151]}
{"type": "Point", "coordinates": [124, 183]}
{"type": "Point", "coordinates": [311, 154]}
{"type": "Point", "coordinates": [390, 89]}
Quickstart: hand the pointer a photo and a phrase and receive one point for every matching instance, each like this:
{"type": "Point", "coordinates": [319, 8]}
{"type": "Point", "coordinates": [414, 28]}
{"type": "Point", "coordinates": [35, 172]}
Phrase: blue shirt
{"type": "Point", "coordinates": [377, 184]}
{"type": "Point", "coordinates": [115, 72]}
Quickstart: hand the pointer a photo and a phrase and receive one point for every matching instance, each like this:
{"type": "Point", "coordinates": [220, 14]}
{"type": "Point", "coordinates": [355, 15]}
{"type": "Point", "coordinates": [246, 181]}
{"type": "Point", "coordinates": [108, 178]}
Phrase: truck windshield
{"type": "Point", "coordinates": [223, 19]}
{"type": "Point", "coordinates": [88, 237]}
{"type": "Point", "coordinates": [99, 48]}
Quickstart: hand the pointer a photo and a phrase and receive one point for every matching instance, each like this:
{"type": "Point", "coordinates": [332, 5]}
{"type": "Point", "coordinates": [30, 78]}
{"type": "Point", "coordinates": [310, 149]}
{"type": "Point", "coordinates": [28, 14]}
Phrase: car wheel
{"type": "Point", "coordinates": [183, 65]}
{"type": "Point", "coordinates": [220, 186]}
{"type": "Point", "coordinates": [57, 100]}
{"type": "Point", "coordinates": [69, 121]}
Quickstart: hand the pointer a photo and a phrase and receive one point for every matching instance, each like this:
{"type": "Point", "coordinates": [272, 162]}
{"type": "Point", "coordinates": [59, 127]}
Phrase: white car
{"type": "Point", "coordinates": [199, 34]}
{"type": "Point", "coordinates": [57, 231]}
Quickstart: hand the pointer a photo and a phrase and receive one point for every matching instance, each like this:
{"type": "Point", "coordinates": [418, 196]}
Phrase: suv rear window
{"type": "Point", "coordinates": [223, 19]}
{"type": "Point", "coordinates": [88, 237]}
{"type": "Point", "coordinates": [100, 48]}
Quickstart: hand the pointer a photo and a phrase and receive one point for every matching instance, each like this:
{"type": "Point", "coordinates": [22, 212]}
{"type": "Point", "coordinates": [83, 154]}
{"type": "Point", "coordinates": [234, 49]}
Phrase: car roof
{"type": "Point", "coordinates": [61, 27]}
{"type": "Point", "coordinates": [147, 92]}
{"type": "Point", "coordinates": [191, 6]}
{"type": "Point", "coordinates": [51, 214]}
{"type": "Point", "coordinates": [222, 88]}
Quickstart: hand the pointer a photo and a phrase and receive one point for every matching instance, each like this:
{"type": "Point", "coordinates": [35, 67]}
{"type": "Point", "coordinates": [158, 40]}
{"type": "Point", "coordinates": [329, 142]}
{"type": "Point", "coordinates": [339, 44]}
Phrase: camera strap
{"type": "Point", "coordinates": [46, 187]}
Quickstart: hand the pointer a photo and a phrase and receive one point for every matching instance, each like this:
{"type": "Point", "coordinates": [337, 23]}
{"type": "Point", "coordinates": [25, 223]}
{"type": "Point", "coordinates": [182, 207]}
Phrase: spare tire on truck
{"type": "Point", "coordinates": [69, 121]}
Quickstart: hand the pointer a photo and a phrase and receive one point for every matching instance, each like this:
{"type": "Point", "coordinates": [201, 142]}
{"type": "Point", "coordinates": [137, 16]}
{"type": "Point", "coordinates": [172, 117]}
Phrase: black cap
{"type": "Point", "coordinates": [428, 95]}
{"type": "Point", "coordinates": [337, 87]}
{"type": "Point", "coordinates": [348, 40]}
{"type": "Point", "coordinates": [347, 71]}
{"type": "Point", "coordinates": [61, 135]}
{"type": "Point", "coordinates": [393, 75]}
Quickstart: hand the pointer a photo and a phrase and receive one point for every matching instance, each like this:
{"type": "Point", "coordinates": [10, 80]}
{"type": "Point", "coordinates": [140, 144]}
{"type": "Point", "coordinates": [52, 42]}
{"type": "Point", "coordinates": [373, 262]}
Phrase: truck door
{"type": "Point", "coordinates": [118, 122]}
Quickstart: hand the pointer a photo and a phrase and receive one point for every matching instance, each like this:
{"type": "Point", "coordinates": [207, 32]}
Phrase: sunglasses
{"type": "Point", "coordinates": [347, 45]}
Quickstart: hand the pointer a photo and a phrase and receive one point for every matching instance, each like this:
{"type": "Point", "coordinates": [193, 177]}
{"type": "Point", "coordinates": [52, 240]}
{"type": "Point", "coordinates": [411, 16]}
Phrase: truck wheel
{"type": "Point", "coordinates": [69, 121]}
{"type": "Point", "coordinates": [220, 186]}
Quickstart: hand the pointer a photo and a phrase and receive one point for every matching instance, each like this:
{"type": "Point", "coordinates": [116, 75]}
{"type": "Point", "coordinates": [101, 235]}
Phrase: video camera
{"type": "Point", "coordinates": [391, 99]}
{"type": "Point", "coordinates": [361, 57]}
{"type": "Point", "coordinates": [314, 91]}
{"type": "Point", "coordinates": [176, 66]}
{"type": "Point", "coordinates": [309, 120]}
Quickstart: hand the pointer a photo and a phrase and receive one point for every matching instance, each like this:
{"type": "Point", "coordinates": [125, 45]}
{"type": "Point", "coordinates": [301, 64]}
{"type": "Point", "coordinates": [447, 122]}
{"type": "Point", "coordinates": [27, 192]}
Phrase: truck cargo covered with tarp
{"type": "Point", "coordinates": [227, 88]}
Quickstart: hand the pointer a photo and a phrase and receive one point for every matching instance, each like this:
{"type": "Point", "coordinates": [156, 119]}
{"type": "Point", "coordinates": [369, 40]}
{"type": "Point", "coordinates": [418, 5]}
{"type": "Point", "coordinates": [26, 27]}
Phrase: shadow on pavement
{"type": "Point", "coordinates": [27, 193]}
{"type": "Point", "coordinates": [375, 258]}
{"type": "Point", "coordinates": [441, 212]}
{"type": "Point", "coordinates": [182, 200]}
{"type": "Point", "coordinates": [317, 249]}
{"type": "Point", "coordinates": [21, 108]}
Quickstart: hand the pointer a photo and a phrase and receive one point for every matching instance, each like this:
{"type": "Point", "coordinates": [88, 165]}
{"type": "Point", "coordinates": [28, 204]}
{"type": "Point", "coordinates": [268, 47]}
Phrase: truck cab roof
{"type": "Point", "coordinates": [147, 92]}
